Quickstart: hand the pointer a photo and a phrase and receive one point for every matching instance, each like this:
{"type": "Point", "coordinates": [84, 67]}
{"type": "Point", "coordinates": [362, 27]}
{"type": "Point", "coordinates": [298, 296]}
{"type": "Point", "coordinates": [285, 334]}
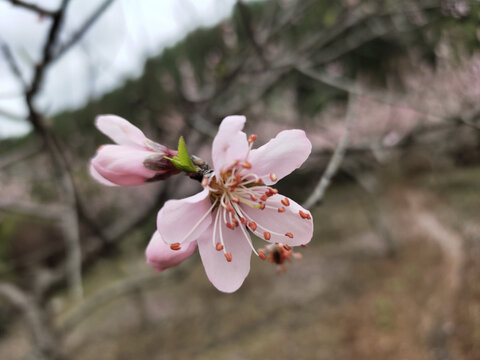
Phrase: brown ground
{"type": "Point", "coordinates": [346, 299]}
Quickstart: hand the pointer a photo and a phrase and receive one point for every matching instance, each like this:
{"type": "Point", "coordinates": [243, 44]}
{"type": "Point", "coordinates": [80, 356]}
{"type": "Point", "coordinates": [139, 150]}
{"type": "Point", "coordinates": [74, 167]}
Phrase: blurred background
{"type": "Point", "coordinates": [387, 91]}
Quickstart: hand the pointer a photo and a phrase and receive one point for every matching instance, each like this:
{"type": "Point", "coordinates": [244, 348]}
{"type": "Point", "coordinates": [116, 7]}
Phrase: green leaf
{"type": "Point", "coordinates": [182, 161]}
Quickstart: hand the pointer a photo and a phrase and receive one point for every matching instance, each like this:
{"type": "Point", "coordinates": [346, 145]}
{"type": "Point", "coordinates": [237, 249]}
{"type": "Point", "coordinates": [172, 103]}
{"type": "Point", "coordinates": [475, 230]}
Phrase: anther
{"type": "Point", "coordinates": [175, 246]}
{"type": "Point", "coordinates": [286, 202]}
{"type": "Point", "coordinates": [252, 138]}
{"type": "Point", "coordinates": [219, 247]}
{"type": "Point", "coordinates": [281, 210]}
{"type": "Point", "coordinates": [259, 181]}
{"type": "Point", "coordinates": [229, 208]}
{"type": "Point", "coordinates": [267, 235]}
{"type": "Point", "coordinates": [235, 222]}
{"type": "Point", "coordinates": [253, 197]}
{"type": "Point", "coordinates": [304, 245]}
{"type": "Point", "coordinates": [228, 256]}
{"type": "Point", "coordinates": [246, 165]}
{"type": "Point", "coordinates": [304, 215]}
{"type": "Point", "coordinates": [243, 221]}
{"type": "Point", "coordinates": [261, 254]}
{"type": "Point", "coordinates": [252, 225]}
{"type": "Point", "coordinates": [274, 191]}
{"type": "Point", "coordinates": [287, 247]}
{"type": "Point", "coordinates": [273, 177]}
{"type": "Point", "coordinates": [230, 226]}
{"type": "Point", "coordinates": [264, 197]}
{"type": "Point", "coordinates": [235, 200]}
{"type": "Point", "coordinates": [262, 206]}
{"type": "Point", "coordinates": [289, 234]}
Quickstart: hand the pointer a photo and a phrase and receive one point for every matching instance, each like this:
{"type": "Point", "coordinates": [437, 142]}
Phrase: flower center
{"type": "Point", "coordinates": [235, 188]}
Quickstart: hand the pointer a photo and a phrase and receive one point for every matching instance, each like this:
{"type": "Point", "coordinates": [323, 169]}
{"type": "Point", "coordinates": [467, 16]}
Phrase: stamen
{"type": "Point", "coordinates": [252, 138]}
{"type": "Point", "coordinates": [289, 234]}
{"type": "Point", "coordinates": [285, 202]}
{"type": "Point", "coordinates": [219, 247]}
{"type": "Point", "coordinates": [252, 225]}
{"type": "Point", "coordinates": [304, 215]}
{"type": "Point", "coordinates": [230, 226]}
{"type": "Point", "coordinates": [253, 197]}
{"type": "Point", "coordinates": [175, 246]}
{"type": "Point", "coordinates": [267, 235]}
{"type": "Point", "coordinates": [228, 256]}
{"type": "Point", "coordinates": [273, 177]}
{"type": "Point", "coordinates": [229, 208]}
{"type": "Point", "coordinates": [246, 165]}
{"type": "Point", "coordinates": [281, 210]}
{"type": "Point", "coordinates": [261, 255]}
{"type": "Point", "coordinates": [204, 181]}
{"type": "Point", "coordinates": [199, 222]}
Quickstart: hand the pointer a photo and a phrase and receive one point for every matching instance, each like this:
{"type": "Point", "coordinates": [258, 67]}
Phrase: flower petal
{"type": "Point", "coordinates": [289, 221]}
{"type": "Point", "coordinates": [94, 174]}
{"type": "Point", "coordinates": [120, 130]}
{"type": "Point", "coordinates": [161, 257]}
{"type": "Point", "coordinates": [230, 143]}
{"type": "Point", "coordinates": [225, 276]}
{"type": "Point", "coordinates": [281, 155]}
{"type": "Point", "coordinates": [122, 165]}
{"type": "Point", "coordinates": [184, 220]}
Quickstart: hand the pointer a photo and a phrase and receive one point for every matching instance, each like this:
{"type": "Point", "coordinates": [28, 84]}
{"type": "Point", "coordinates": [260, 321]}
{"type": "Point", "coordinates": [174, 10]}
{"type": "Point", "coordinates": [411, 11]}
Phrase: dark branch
{"type": "Point", "coordinates": [39, 10]}
{"type": "Point", "coordinates": [7, 53]}
{"type": "Point", "coordinates": [83, 29]}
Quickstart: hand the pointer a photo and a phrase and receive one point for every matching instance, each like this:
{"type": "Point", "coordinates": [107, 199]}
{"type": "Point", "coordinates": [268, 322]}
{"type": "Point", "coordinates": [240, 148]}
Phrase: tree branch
{"type": "Point", "coordinates": [32, 7]}
{"type": "Point", "coordinates": [335, 160]}
{"type": "Point", "coordinates": [83, 29]}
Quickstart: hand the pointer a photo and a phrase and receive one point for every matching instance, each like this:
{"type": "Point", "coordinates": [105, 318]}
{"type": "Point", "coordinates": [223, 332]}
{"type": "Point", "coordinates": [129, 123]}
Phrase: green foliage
{"type": "Point", "coordinates": [182, 161]}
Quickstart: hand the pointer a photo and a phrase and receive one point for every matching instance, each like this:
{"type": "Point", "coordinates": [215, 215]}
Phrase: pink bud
{"type": "Point", "coordinates": [134, 161]}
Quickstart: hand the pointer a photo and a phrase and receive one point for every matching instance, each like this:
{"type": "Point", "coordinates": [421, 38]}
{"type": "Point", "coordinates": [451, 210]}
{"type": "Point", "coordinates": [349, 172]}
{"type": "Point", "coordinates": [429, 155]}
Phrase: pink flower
{"type": "Point", "coordinates": [134, 161]}
{"type": "Point", "coordinates": [237, 201]}
{"type": "Point", "coordinates": [162, 257]}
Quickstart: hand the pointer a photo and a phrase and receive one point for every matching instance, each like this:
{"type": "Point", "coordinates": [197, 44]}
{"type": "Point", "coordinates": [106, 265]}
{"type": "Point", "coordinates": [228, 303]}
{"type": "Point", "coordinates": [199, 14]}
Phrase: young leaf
{"type": "Point", "coordinates": [182, 161]}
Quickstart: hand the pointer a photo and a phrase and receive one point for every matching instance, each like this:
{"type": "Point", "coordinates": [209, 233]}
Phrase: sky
{"type": "Point", "coordinates": [114, 49]}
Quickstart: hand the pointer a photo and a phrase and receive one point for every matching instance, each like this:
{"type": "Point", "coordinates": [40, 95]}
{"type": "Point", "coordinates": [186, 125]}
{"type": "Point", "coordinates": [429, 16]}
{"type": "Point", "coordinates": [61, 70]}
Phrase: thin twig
{"type": "Point", "coordinates": [83, 29]}
{"type": "Point", "coordinates": [7, 53]}
{"type": "Point", "coordinates": [43, 338]}
{"type": "Point", "coordinates": [335, 160]}
{"type": "Point", "coordinates": [33, 7]}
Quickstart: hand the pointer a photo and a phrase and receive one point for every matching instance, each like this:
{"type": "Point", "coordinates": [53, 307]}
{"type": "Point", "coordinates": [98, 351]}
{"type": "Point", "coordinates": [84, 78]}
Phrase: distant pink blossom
{"type": "Point", "coordinates": [237, 200]}
{"type": "Point", "coordinates": [135, 159]}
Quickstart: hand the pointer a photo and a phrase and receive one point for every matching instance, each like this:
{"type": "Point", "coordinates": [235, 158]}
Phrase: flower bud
{"type": "Point", "coordinates": [134, 161]}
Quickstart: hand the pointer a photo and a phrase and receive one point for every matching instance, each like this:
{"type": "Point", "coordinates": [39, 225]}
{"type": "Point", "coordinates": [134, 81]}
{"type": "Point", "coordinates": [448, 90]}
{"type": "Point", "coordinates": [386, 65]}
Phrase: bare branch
{"type": "Point", "coordinates": [32, 7]}
{"type": "Point", "coordinates": [246, 19]}
{"type": "Point", "coordinates": [7, 53]}
{"type": "Point", "coordinates": [83, 29]}
{"type": "Point", "coordinates": [102, 297]}
{"type": "Point", "coordinates": [335, 160]}
{"type": "Point", "coordinates": [20, 155]}
{"type": "Point", "coordinates": [11, 115]}
{"type": "Point", "coordinates": [44, 340]}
